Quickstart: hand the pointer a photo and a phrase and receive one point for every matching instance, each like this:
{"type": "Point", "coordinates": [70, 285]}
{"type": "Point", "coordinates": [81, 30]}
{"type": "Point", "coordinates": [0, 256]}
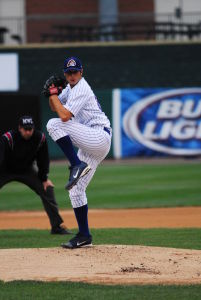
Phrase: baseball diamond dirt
{"type": "Point", "coordinates": [175, 217]}
{"type": "Point", "coordinates": [106, 264]}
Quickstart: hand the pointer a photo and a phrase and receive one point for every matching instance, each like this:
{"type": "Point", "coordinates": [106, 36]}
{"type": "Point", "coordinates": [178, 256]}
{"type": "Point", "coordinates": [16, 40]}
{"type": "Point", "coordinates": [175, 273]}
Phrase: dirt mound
{"type": "Point", "coordinates": [106, 264]}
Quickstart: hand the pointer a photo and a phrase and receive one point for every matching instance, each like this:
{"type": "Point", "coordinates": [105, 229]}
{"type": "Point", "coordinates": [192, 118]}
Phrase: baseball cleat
{"type": "Point", "coordinates": [79, 241]}
{"type": "Point", "coordinates": [76, 173]}
{"type": "Point", "coordinates": [60, 230]}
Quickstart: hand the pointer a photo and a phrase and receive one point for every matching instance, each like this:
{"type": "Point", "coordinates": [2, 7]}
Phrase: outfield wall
{"type": "Point", "coordinates": [107, 66]}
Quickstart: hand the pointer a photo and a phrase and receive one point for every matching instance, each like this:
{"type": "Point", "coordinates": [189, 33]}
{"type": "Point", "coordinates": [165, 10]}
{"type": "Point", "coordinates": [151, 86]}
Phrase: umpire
{"type": "Point", "coordinates": [19, 149]}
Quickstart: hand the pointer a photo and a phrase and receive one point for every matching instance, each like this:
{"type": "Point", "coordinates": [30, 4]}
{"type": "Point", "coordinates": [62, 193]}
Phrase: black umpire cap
{"type": "Point", "coordinates": [26, 122]}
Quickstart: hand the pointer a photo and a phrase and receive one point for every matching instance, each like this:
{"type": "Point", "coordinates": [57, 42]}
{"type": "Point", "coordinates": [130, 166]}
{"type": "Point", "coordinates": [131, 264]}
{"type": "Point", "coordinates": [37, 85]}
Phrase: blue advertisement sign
{"type": "Point", "coordinates": [157, 122]}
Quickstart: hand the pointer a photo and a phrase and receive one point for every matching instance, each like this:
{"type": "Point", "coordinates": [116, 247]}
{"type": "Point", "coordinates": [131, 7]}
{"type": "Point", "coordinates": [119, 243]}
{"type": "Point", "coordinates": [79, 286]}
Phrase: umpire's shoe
{"type": "Point", "coordinates": [76, 173]}
{"type": "Point", "coordinates": [60, 230]}
{"type": "Point", "coordinates": [79, 241]}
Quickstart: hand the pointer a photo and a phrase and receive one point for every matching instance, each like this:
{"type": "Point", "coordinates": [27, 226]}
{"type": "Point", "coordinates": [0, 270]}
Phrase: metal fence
{"type": "Point", "coordinates": [87, 27]}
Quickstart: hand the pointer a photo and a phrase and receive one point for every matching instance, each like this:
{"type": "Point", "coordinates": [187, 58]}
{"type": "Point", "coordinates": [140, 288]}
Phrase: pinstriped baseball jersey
{"type": "Point", "coordinates": [83, 104]}
{"type": "Point", "coordinates": [86, 131]}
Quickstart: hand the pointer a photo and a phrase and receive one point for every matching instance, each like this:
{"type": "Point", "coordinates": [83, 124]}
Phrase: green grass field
{"type": "Point", "coordinates": [119, 186]}
{"type": "Point", "coordinates": [189, 238]}
{"type": "Point", "coordinates": [114, 186]}
{"type": "Point", "coordinates": [178, 238]}
{"type": "Point", "coordinates": [79, 291]}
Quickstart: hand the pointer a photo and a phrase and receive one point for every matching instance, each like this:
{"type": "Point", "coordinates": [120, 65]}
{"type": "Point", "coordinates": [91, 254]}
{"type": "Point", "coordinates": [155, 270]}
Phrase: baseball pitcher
{"type": "Point", "coordinates": [83, 124]}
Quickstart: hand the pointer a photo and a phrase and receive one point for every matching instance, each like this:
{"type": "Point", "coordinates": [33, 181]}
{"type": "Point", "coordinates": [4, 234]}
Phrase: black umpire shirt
{"type": "Point", "coordinates": [17, 155]}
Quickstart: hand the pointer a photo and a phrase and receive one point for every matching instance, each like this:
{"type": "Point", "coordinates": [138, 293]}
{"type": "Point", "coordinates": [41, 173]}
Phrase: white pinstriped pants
{"type": "Point", "coordinates": [93, 143]}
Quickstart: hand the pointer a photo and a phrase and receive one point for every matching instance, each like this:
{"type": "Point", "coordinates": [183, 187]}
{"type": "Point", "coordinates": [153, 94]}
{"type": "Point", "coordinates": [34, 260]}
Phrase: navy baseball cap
{"type": "Point", "coordinates": [72, 64]}
{"type": "Point", "coordinates": [26, 122]}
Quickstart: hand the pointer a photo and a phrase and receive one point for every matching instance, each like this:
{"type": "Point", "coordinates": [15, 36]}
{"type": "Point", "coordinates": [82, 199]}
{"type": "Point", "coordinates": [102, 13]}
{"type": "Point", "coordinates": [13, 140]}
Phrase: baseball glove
{"type": "Point", "coordinates": [53, 86]}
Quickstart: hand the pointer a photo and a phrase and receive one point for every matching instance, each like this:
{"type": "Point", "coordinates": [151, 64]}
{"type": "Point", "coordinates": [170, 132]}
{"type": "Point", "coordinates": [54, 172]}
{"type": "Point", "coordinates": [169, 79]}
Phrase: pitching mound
{"type": "Point", "coordinates": [106, 264]}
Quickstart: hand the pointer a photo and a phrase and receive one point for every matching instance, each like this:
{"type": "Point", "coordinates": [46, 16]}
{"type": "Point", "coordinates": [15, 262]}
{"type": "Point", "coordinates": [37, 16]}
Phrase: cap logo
{"type": "Point", "coordinates": [27, 121]}
{"type": "Point", "coordinates": [71, 63]}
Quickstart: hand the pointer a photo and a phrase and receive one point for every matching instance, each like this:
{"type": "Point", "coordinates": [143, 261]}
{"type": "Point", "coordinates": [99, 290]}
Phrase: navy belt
{"type": "Point", "coordinates": [107, 130]}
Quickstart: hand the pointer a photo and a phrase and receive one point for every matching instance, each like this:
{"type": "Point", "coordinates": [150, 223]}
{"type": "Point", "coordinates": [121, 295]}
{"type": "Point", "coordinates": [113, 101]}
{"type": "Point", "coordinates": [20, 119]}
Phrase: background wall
{"type": "Point", "coordinates": [106, 67]}
{"type": "Point", "coordinates": [37, 26]}
{"type": "Point", "coordinates": [14, 106]}
{"type": "Point", "coordinates": [78, 12]}
{"type": "Point", "coordinates": [12, 13]}
{"type": "Point", "coordinates": [133, 65]}
{"type": "Point", "coordinates": [34, 21]}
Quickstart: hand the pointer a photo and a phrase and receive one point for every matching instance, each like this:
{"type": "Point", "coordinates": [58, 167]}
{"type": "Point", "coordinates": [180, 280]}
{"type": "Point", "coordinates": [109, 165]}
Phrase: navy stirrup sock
{"type": "Point", "coordinates": [67, 147]}
{"type": "Point", "coordinates": [81, 214]}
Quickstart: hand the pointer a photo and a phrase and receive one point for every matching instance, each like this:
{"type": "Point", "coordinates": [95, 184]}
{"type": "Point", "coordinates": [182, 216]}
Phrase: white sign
{"type": "Point", "coordinates": [9, 72]}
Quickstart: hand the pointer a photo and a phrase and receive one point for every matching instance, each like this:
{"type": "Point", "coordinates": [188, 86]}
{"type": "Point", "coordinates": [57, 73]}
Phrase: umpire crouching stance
{"type": "Point", "coordinates": [19, 149]}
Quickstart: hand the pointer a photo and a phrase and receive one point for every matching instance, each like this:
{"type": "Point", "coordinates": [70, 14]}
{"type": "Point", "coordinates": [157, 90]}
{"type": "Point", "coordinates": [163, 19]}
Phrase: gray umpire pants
{"type": "Point", "coordinates": [30, 178]}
